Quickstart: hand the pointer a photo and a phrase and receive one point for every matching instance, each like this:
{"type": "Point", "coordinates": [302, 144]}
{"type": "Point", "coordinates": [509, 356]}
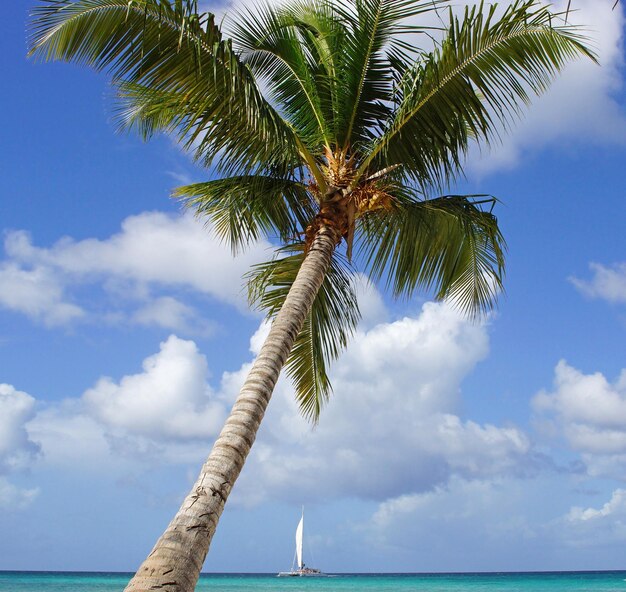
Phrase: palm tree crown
{"type": "Point", "coordinates": [327, 112]}
{"type": "Point", "coordinates": [326, 127]}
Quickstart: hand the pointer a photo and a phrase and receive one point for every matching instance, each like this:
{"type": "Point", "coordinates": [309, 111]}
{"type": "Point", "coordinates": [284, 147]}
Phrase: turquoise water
{"type": "Point", "coordinates": [496, 582]}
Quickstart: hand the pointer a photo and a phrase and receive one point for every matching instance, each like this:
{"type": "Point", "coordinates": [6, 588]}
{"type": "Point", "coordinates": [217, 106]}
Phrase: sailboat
{"type": "Point", "coordinates": [302, 570]}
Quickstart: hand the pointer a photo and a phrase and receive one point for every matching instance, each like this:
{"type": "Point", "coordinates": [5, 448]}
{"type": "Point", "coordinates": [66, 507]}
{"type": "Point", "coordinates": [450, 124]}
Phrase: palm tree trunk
{"type": "Point", "coordinates": [175, 562]}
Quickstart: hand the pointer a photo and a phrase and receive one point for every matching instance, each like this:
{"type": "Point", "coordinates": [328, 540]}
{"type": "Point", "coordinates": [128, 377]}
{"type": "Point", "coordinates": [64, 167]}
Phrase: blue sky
{"type": "Point", "coordinates": [448, 445]}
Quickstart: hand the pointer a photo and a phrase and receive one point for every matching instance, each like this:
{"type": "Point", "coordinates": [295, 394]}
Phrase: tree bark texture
{"type": "Point", "coordinates": [176, 560]}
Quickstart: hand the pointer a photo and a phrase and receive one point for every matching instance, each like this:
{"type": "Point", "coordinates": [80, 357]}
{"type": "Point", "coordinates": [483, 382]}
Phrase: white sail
{"type": "Point", "coordinates": [299, 541]}
{"type": "Point", "coordinates": [302, 570]}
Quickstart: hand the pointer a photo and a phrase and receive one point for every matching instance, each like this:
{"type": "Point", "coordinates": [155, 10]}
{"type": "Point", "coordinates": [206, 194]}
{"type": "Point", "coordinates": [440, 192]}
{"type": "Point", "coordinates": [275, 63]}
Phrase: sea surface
{"type": "Point", "coordinates": [612, 581]}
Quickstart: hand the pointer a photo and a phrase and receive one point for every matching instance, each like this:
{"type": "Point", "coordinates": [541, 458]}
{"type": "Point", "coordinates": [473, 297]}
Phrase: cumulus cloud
{"type": "Point", "coordinates": [607, 283]}
{"type": "Point", "coordinates": [151, 247]}
{"type": "Point", "coordinates": [459, 500]}
{"type": "Point", "coordinates": [170, 313]}
{"type": "Point", "coordinates": [152, 252]}
{"type": "Point", "coordinates": [38, 293]}
{"type": "Point", "coordinates": [371, 304]}
{"type": "Point", "coordinates": [392, 426]}
{"type": "Point", "coordinates": [69, 438]}
{"type": "Point", "coordinates": [15, 498]}
{"type": "Point", "coordinates": [465, 525]}
{"type": "Point", "coordinates": [615, 506]}
{"type": "Point", "coordinates": [169, 399]}
{"type": "Point", "coordinates": [490, 524]}
{"type": "Point", "coordinates": [590, 413]}
{"type": "Point", "coordinates": [17, 450]}
{"type": "Point", "coordinates": [580, 107]}
{"type": "Point", "coordinates": [603, 526]}
{"type": "Point", "coordinates": [165, 413]}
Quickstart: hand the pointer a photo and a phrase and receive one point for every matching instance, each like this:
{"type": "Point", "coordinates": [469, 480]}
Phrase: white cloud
{"type": "Point", "coordinates": [616, 506]}
{"type": "Point", "coordinates": [585, 398]}
{"type": "Point", "coordinates": [607, 283]}
{"type": "Point", "coordinates": [580, 107]}
{"type": "Point", "coordinates": [38, 293]}
{"type": "Point", "coordinates": [260, 335]}
{"type": "Point", "coordinates": [17, 450]}
{"type": "Point", "coordinates": [14, 498]}
{"type": "Point", "coordinates": [152, 252]}
{"type": "Point", "coordinates": [596, 527]}
{"type": "Point", "coordinates": [590, 413]}
{"type": "Point", "coordinates": [152, 248]}
{"type": "Point", "coordinates": [170, 313]}
{"type": "Point", "coordinates": [70, 439]}
{"type": "Point", "coordinates": [459, 500]}
{"type": "Point", "coordinates": [371, 304]}
{"type": "Point", "coordinates": [497, 524]}
{"type": "Point", "coordinates": [166, 414]}
{"type": "Point", "coordinates": [462, 525]}
{"type": "Point", "coordinates": [169, 399]}
{"type": "Point", "coordinates": [392, 425]}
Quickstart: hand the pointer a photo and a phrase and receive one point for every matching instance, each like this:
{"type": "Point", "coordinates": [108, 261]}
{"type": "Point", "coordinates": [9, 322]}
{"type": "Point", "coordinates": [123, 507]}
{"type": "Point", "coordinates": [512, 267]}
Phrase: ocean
{"type": "Point", "coordinates": [606, 581]}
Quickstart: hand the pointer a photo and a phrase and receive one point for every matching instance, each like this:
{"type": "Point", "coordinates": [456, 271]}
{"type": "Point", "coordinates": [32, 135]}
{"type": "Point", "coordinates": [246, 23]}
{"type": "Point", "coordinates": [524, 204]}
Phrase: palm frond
{"type": "Point", "coordinates": [272, 44]}
{"type": "Point", "coordinates": [327, 329]}
{"type": "Point", "coordinates": [481, 75]}
{"type": "Point", "coordinates": [365, 79]}
{"type": "Point", "coordinates": [242, 209]}
{"type": "Point", "coordinates": [449, 245]}
{"type": "Point", "coordinates": [322, 34]}
{"type": "Point", "coordinates": [174, 68]}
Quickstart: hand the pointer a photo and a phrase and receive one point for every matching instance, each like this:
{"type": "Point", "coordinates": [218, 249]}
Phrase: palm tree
{"type": "Point", "coordinates": [325, 127]}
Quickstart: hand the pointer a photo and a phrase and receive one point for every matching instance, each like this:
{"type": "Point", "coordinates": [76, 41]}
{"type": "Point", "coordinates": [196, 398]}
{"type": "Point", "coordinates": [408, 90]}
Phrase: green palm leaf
{"type": "Point", "coordinates": [449, 245]}
{"type": "Point", "coordinates": [481, 74]}
{"type": "Point", "coordinates": [275, 44]}
{"type": "Point", "coordinates": [175, 72]}
{"type": "Point", "coordinates": [327, 329]}
{"type": "Point", "coordinates": [242, 209]}
{"type": "Point", "coordinates": [365, 84]}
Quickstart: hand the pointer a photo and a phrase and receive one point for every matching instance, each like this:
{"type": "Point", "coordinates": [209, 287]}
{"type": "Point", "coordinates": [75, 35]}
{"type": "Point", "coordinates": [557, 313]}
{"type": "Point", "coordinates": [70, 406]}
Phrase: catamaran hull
{"type": "Point", "coordinates": [297, 574]}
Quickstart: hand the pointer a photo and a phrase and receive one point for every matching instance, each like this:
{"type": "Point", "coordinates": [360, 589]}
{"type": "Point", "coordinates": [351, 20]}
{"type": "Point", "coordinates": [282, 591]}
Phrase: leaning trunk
{"type": "Point", "coordinates": [175, 562]}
